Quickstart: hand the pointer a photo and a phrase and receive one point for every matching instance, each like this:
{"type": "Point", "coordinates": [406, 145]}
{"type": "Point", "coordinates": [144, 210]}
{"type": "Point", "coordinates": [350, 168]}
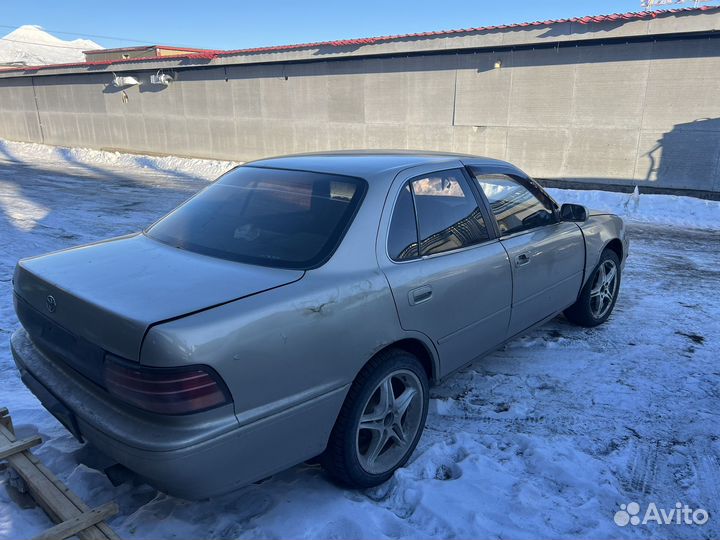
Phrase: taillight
{"type": "Point", "coordinates": [182, 390]}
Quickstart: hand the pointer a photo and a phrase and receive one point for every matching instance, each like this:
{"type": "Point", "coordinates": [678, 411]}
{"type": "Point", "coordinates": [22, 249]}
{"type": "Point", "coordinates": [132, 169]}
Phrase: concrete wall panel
{"type": "Point", "coordinates": [430, 89]}
{"type": "Point", "coordinates": [483, 91]}
{"type": "Point", "coordinates": [307, 88]}
{"type": "Point", "coordinates": [18, 113]}
{"type": "Point", "coordinates": [245, 89]}
{"type": "Point", "coordinates": [538, 151]}
{"type": "Point", "coordinates": [542, 86]}
{"type": "Point", "coordinates": [610, 85]}
{"type": "Point", "coordinates": [385, 92]}
{"type": "Point", "coordinates": [250, 142]}
{"type": "Point", "coordinates": [430, 137]}
{"type": "Point", "coordinates": [351, 136]}
{"type": "Point", "coordinates": [379, 136]}
{"type": "Point", "coordinates": [682, 159]}
{"type": "Point", "coordinates": [683, 85]}
{"type": "Point", "coordinates": [481, 141]}
{"type": "Point", "coordinates": [345, 98]}
{"type": "Point", "coordinates": [597, 153]}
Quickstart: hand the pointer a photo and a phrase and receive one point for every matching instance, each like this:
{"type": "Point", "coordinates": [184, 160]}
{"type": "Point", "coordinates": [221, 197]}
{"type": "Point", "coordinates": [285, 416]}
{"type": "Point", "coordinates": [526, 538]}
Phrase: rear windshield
{"type": "Point", "coordinates": [272, 217]}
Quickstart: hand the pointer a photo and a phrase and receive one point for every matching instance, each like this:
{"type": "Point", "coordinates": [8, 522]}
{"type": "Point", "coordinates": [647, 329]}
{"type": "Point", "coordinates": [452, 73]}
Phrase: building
{"type": "Point", "coordinates": [145, 51]}
{"type": "Point", "coordinates": [623, 99]}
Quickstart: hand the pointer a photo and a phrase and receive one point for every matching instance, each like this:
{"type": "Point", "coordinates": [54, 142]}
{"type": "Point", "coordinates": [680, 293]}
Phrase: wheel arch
{"type": "Point", "coordinates": [602, 232]}
{"type": "Point", "coordinates": [615, 245]}
{"type": "Point", "coordinates": [422, 350]}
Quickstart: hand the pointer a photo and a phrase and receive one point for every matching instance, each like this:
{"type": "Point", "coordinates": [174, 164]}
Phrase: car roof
{"type": "Point", "coordinates": [364, 163]}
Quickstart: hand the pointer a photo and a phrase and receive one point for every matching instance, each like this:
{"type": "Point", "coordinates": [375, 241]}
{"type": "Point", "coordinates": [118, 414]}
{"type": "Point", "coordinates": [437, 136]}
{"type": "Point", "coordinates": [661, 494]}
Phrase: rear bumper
{"type": "Point", "coordinates": [194, 456]}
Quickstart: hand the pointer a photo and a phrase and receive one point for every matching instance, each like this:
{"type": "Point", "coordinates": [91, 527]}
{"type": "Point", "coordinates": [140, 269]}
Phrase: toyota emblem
{"type": "Point", "coordinates": [51, 303]}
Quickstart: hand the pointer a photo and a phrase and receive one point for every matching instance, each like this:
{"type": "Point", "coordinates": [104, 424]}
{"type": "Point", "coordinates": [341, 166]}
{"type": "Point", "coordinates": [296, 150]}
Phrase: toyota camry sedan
{"type": "Point", "coordinates": [300, 307]}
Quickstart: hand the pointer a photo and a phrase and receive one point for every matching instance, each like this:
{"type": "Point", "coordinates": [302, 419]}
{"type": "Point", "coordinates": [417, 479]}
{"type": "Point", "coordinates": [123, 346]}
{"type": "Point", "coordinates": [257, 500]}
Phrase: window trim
{"type": "Point", "coordinates": [474, 189]}
{"type": "Point", "coordinates": [527, 183]}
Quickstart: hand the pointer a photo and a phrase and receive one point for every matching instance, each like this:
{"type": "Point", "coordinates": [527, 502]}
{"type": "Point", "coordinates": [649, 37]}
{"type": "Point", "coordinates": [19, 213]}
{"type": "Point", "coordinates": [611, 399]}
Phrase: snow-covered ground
{"type": "Point", "coordinates": [544, 438]}
{"type": "Point", "coordinates": [32, 46]}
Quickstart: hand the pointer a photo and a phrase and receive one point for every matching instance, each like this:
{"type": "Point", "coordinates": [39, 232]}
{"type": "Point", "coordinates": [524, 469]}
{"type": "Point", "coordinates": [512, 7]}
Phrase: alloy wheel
{"type": "Point", "coordinates": [603, 289]}
{"type": "Point", "coordinates": [390, 421]}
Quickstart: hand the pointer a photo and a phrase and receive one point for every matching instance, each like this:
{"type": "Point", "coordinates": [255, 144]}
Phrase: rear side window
{"type": "Point", "coordinates": [280, 218]}
{"type": "Point", "coordinates": [402, 239]}
{"type": "Point", "coordinates": [514, 206]}
{"type": "Point", "coordinates": [446, 213]}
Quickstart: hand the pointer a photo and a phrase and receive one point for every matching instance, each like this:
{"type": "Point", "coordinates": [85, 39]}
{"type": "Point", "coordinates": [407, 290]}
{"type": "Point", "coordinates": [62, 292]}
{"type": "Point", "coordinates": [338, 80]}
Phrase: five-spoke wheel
{"type": "Point", "coordinates": [602, 294]}
{"type": "Point", "coordinates": [381, 420]}
{"type": "Point", "coordinates": [598, 296]}
{"type": "Point", "coordinates": [389, 421]}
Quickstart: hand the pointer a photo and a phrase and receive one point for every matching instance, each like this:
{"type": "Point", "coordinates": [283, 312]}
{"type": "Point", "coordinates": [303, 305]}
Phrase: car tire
{"type": "Point", "coordinates": [598, 296]}
{"type": "Point", "coordinates": [373, 436]}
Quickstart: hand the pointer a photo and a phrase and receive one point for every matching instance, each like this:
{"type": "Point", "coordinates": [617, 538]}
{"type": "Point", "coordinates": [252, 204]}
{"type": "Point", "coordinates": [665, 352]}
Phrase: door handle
{"type": "Point", "coordinates": [522, 259]}
{"type": "Point", "coordinates": [420, 295]}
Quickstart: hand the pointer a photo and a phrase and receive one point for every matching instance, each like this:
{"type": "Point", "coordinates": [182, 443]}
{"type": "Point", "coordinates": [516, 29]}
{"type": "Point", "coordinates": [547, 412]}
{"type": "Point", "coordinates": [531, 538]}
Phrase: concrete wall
{"type": "Point", "coordinates": [623, 113]}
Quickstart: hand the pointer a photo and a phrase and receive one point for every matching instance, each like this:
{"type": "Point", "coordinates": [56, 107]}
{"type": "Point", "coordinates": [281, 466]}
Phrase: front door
{"type": "Point", "coordinates": [547, 255]}
{"type": "Point", "coordinates": [449, 275]}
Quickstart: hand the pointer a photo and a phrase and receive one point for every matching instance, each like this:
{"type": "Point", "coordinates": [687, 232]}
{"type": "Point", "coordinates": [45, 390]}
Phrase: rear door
{"type": "Point", "coordinates": [449, 275]}
{"type": "Point", "coordinates": [547, 255]}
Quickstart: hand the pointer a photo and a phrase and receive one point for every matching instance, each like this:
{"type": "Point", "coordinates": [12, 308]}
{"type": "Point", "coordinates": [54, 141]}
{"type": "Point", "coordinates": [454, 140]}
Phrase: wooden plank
{"type": "Point", "coordinates": [77, 501]}
{"type": "Point", "coordinates": [6, 420]}
{"type": "Point", "coordinates": [18, 446]}
{"type": "Point", "coordinates": [44, 492]}
{"type": "Point", "coordinates": [52, 495]}
{"type": "Point", "coordinates": [79, 523]}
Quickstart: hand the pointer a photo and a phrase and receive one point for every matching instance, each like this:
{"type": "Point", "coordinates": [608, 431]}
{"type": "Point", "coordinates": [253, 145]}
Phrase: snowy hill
{"type": "Point", "coordinates": [31, 45]}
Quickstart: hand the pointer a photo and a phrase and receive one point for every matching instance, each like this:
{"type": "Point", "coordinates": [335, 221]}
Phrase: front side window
{"type": "Point", "coordinates": [448, 216]}
{"type": "Point", "coordinates": [514, 206]}
{"type": "Point", "coordinates": [272, 217]}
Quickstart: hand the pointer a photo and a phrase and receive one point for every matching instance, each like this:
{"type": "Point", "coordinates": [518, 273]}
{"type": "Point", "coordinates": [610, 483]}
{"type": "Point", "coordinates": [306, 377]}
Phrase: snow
{"type": "Point", "coordinates": [32, 46]}
{"type": "Point", "coordinates": [543, 438]}
{"type": "Point", "coordinates": [646, 208]}
{"type": "Point", "coordinates": [32, 152]}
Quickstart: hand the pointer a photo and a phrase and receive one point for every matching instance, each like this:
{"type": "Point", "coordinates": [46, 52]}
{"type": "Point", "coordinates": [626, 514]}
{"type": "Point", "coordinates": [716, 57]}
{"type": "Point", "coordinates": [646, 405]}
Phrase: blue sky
{"type": "Point", "coordinates": [242, 23]}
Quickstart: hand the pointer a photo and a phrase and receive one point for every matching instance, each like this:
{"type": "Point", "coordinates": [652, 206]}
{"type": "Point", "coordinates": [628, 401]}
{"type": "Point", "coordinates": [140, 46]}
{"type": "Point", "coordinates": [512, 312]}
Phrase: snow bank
{"type": "Point", "coordinates": [34, 153]}
{"type": "Point", "coordinates": [661, 209]}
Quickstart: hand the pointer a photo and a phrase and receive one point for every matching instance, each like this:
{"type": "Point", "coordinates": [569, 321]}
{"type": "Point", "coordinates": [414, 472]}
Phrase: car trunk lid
{"type": "Point", "coordinates": [109, 293]}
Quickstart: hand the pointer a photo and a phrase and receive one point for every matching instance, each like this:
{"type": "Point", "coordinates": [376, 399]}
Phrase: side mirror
{"type": "Point", "coordinates": [573, 212]}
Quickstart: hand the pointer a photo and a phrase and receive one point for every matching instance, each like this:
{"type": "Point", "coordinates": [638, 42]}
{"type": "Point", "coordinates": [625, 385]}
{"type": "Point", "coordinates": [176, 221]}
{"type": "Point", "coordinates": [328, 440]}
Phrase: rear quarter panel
{"type": "Point", "coordinates": [283, 347]}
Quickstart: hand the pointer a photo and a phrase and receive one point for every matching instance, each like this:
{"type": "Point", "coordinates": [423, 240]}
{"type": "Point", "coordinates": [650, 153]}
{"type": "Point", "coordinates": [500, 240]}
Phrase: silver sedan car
{"type": "Point", "coordinates": [300, 307]}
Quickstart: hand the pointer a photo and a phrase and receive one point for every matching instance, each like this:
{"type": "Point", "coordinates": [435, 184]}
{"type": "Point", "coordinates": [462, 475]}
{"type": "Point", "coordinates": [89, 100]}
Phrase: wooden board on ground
{"type": "Point", "coordinates": [18, 446]}
{"type": "Point", "coordinates": [62, 505]}
{"type": "Point", "coordinates": [79, 523]}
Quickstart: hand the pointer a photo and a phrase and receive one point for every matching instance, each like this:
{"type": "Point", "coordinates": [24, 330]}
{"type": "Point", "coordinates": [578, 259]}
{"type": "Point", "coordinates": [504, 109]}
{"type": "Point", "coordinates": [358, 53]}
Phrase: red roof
{"type": "Point", "coordinates": [209, 54]}
{"type": "Point", "coordinates": [588, 19]}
